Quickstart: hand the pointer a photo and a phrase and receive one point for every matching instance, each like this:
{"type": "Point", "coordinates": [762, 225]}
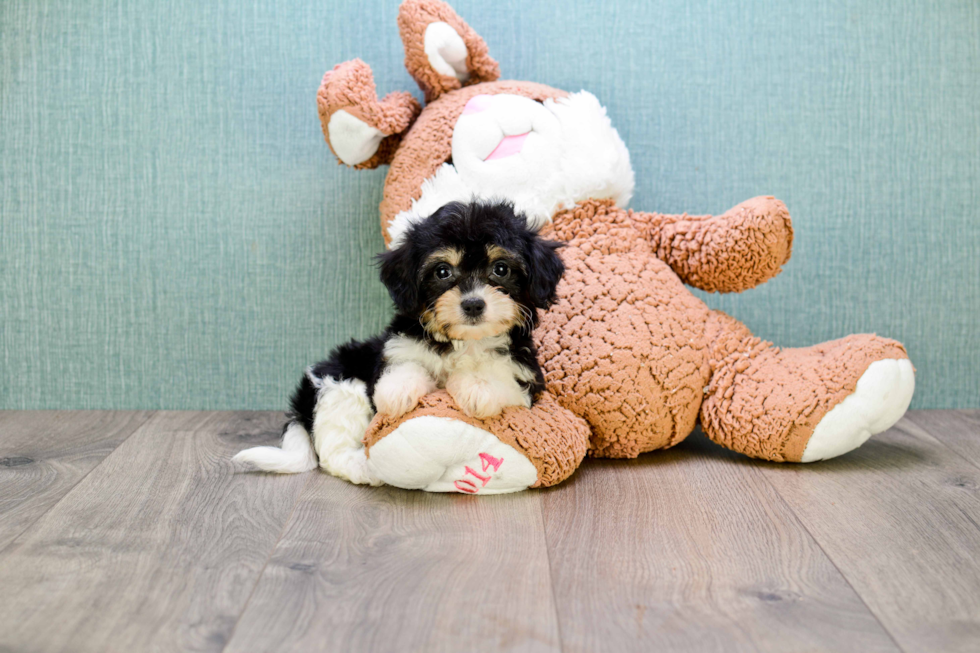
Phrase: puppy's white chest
{"type": "Point", "coordinates": [474, 355]}
{"type": "Point", "coordinates": [480, 375]}
{"type": "Point", "coordinates": [489, 356]}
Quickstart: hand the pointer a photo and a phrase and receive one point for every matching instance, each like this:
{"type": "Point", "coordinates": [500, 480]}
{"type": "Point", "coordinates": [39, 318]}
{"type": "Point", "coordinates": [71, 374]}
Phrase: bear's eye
{"type": "Point", "coordinates": [443, 271]}
{"type": "Point", "coordinates": [501, 270]}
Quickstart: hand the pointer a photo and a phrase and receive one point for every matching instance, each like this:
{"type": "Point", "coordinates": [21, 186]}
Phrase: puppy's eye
{"type": "Point", "coordinates": [443, 271]}
{"type": "Point", "coordinates": [501, 269]}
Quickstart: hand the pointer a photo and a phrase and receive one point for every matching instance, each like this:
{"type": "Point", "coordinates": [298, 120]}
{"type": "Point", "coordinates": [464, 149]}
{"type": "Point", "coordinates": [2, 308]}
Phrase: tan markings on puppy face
{"type": "Point", "coordinates": [435, 320]}
{"type": "Point", "coordinates": [495, 253]}
{"type": "Point", "coordinates": [448, 255]}
{"type": "Point", "coordinates": [448, 319]}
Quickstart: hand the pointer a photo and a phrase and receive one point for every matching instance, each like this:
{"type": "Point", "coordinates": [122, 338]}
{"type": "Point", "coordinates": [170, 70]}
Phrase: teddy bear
{"type": "Point", "coordinates": [633, 360]}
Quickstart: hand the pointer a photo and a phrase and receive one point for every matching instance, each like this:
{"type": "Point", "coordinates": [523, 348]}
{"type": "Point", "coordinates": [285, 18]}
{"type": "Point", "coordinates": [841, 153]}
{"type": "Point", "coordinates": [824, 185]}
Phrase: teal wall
{"type": "Point", "coordinates": [174, 233]}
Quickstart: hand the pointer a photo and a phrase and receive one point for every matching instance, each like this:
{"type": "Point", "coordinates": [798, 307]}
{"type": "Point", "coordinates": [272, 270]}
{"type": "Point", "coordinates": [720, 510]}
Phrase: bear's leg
{"type": "Point", "coordinates": [438, 448]}
{"type": "Point", "coordinates": [801, 405]}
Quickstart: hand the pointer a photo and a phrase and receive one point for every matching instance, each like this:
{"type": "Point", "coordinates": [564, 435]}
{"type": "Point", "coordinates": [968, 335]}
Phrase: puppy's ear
{"type": "Point", "coordinates": [398, 274]}
{"type": "Point", "coordinates": [545, 270]}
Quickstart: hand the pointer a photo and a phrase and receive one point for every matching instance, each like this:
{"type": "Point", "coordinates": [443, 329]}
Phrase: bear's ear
{"type": "Point", "coordinates": [361, 130]}
{"type": "Point", "coordinates": [442, 52]}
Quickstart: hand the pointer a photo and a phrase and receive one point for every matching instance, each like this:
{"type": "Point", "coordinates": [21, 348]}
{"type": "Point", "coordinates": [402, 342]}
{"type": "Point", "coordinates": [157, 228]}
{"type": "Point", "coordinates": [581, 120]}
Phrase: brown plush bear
{"type": "Point", "coordinates": [632, 359]}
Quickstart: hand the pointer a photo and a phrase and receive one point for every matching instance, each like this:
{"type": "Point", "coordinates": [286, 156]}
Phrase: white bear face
{"type": "Point", "coordinates": [505, 144]}
{"type": "Point", "coordinates": [543, 157]}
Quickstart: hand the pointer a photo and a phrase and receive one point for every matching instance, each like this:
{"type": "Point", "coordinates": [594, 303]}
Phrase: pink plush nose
{"type": "Point", "coordinates": [509, 146]}
{"type": "Point", "coordinates": [476, 104]}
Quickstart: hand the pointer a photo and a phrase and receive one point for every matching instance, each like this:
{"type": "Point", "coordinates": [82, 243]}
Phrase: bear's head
{"type": "Point", "coordinates": [477, 137]}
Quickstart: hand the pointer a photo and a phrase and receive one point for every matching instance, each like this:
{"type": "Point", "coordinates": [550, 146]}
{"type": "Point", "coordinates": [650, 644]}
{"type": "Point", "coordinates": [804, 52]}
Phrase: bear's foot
{"type": "Point", "coordinates": [802, 405]}
{"type": "Point", "coordinates": [882, 396]}
{"type": "Point", "coordinates": [438, 448]}
{"type": "Point", "coordinates": [441, 454]}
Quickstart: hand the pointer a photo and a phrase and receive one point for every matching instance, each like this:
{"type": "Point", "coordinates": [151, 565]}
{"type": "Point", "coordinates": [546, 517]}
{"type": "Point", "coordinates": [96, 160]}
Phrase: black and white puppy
{"type": "Point", "coordinates": [467, 283]}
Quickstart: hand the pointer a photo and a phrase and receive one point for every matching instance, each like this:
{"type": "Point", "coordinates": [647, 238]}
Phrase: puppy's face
{"type": "Point", "coordinates": [472, 271]}
{"type": "Point", "coordinates": [469, 291]}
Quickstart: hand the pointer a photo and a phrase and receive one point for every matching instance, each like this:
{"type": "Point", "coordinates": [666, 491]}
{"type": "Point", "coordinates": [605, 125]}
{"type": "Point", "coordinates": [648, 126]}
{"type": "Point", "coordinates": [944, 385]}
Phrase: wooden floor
{"type": "Point", "coordinates": [131, 532]}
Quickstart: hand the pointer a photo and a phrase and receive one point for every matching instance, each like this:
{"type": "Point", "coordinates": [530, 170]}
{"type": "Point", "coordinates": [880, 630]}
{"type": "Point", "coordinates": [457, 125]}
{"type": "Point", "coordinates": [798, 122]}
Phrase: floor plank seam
{"type": "Point", "coordinates": [944, 444]}
{"type": "Point", "coordinates": [551, 572]}
{"type": "Point", "coordinates": [3, 550]}
{"type": "Point", "coordinates": [820, 545]}
{"type": "Point", "coordinates": [272, 552]}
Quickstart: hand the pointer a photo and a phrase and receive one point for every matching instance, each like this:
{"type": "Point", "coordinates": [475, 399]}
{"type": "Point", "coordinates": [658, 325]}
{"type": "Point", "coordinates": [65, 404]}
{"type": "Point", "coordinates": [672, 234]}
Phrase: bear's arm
{"type": "Point", "coordinates": [737, 250]}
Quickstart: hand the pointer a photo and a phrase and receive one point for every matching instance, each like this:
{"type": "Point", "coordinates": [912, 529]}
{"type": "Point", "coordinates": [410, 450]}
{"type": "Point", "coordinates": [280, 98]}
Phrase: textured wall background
{"type": "Point", "coordinates": [174, 233]}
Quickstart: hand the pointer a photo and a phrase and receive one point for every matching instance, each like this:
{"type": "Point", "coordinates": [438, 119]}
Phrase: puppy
{"type": "Point", "coordinates": [467, 283]}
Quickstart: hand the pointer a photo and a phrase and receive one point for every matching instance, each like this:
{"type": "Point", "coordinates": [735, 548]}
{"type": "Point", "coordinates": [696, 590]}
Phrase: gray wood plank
{"type": "Point", "coordinates": [43, 454]}
{"type": "Point", "coordinates": [900, 517]}
{"type": "Point", "coordinates": [681, 550]}
{"type": "Point", "coordinates": [957, 429]}
{"type": "Point", "coordinates": [156, 549]}
{"type": "Point", "coordinates": [382, 569]}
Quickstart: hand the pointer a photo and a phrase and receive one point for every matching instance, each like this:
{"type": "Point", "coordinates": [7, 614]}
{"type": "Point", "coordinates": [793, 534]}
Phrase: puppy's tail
{"type": "Point", "coordinates": [294, 456]}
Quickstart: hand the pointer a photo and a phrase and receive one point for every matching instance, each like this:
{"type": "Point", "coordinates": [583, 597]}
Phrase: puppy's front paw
{"type": "Point", "coordinates": [399, 390]}
{"type": "Point", "coordinates": [476, 397]}
{"type": "Point", "coordinates": [397, 404]}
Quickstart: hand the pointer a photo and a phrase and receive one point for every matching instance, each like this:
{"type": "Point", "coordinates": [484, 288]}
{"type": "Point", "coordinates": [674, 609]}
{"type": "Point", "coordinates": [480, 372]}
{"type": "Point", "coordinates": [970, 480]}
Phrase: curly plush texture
{"type": "Point", "coordinates": [765, 401]}
{"type": "Point", "coordinates": [624, 345]}
{"type": "Point", "coordinates": [554, 440]}
{"type": "Point", "coordinates": [350, 86]}
{"type": "Point", "coordinates": [738, 250]}
{"type": "Point", "coordinates": [414, 16]}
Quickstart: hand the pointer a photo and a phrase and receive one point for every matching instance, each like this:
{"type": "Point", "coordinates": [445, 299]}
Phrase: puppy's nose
{"type": "Point", "coordinates": [473, 306]}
